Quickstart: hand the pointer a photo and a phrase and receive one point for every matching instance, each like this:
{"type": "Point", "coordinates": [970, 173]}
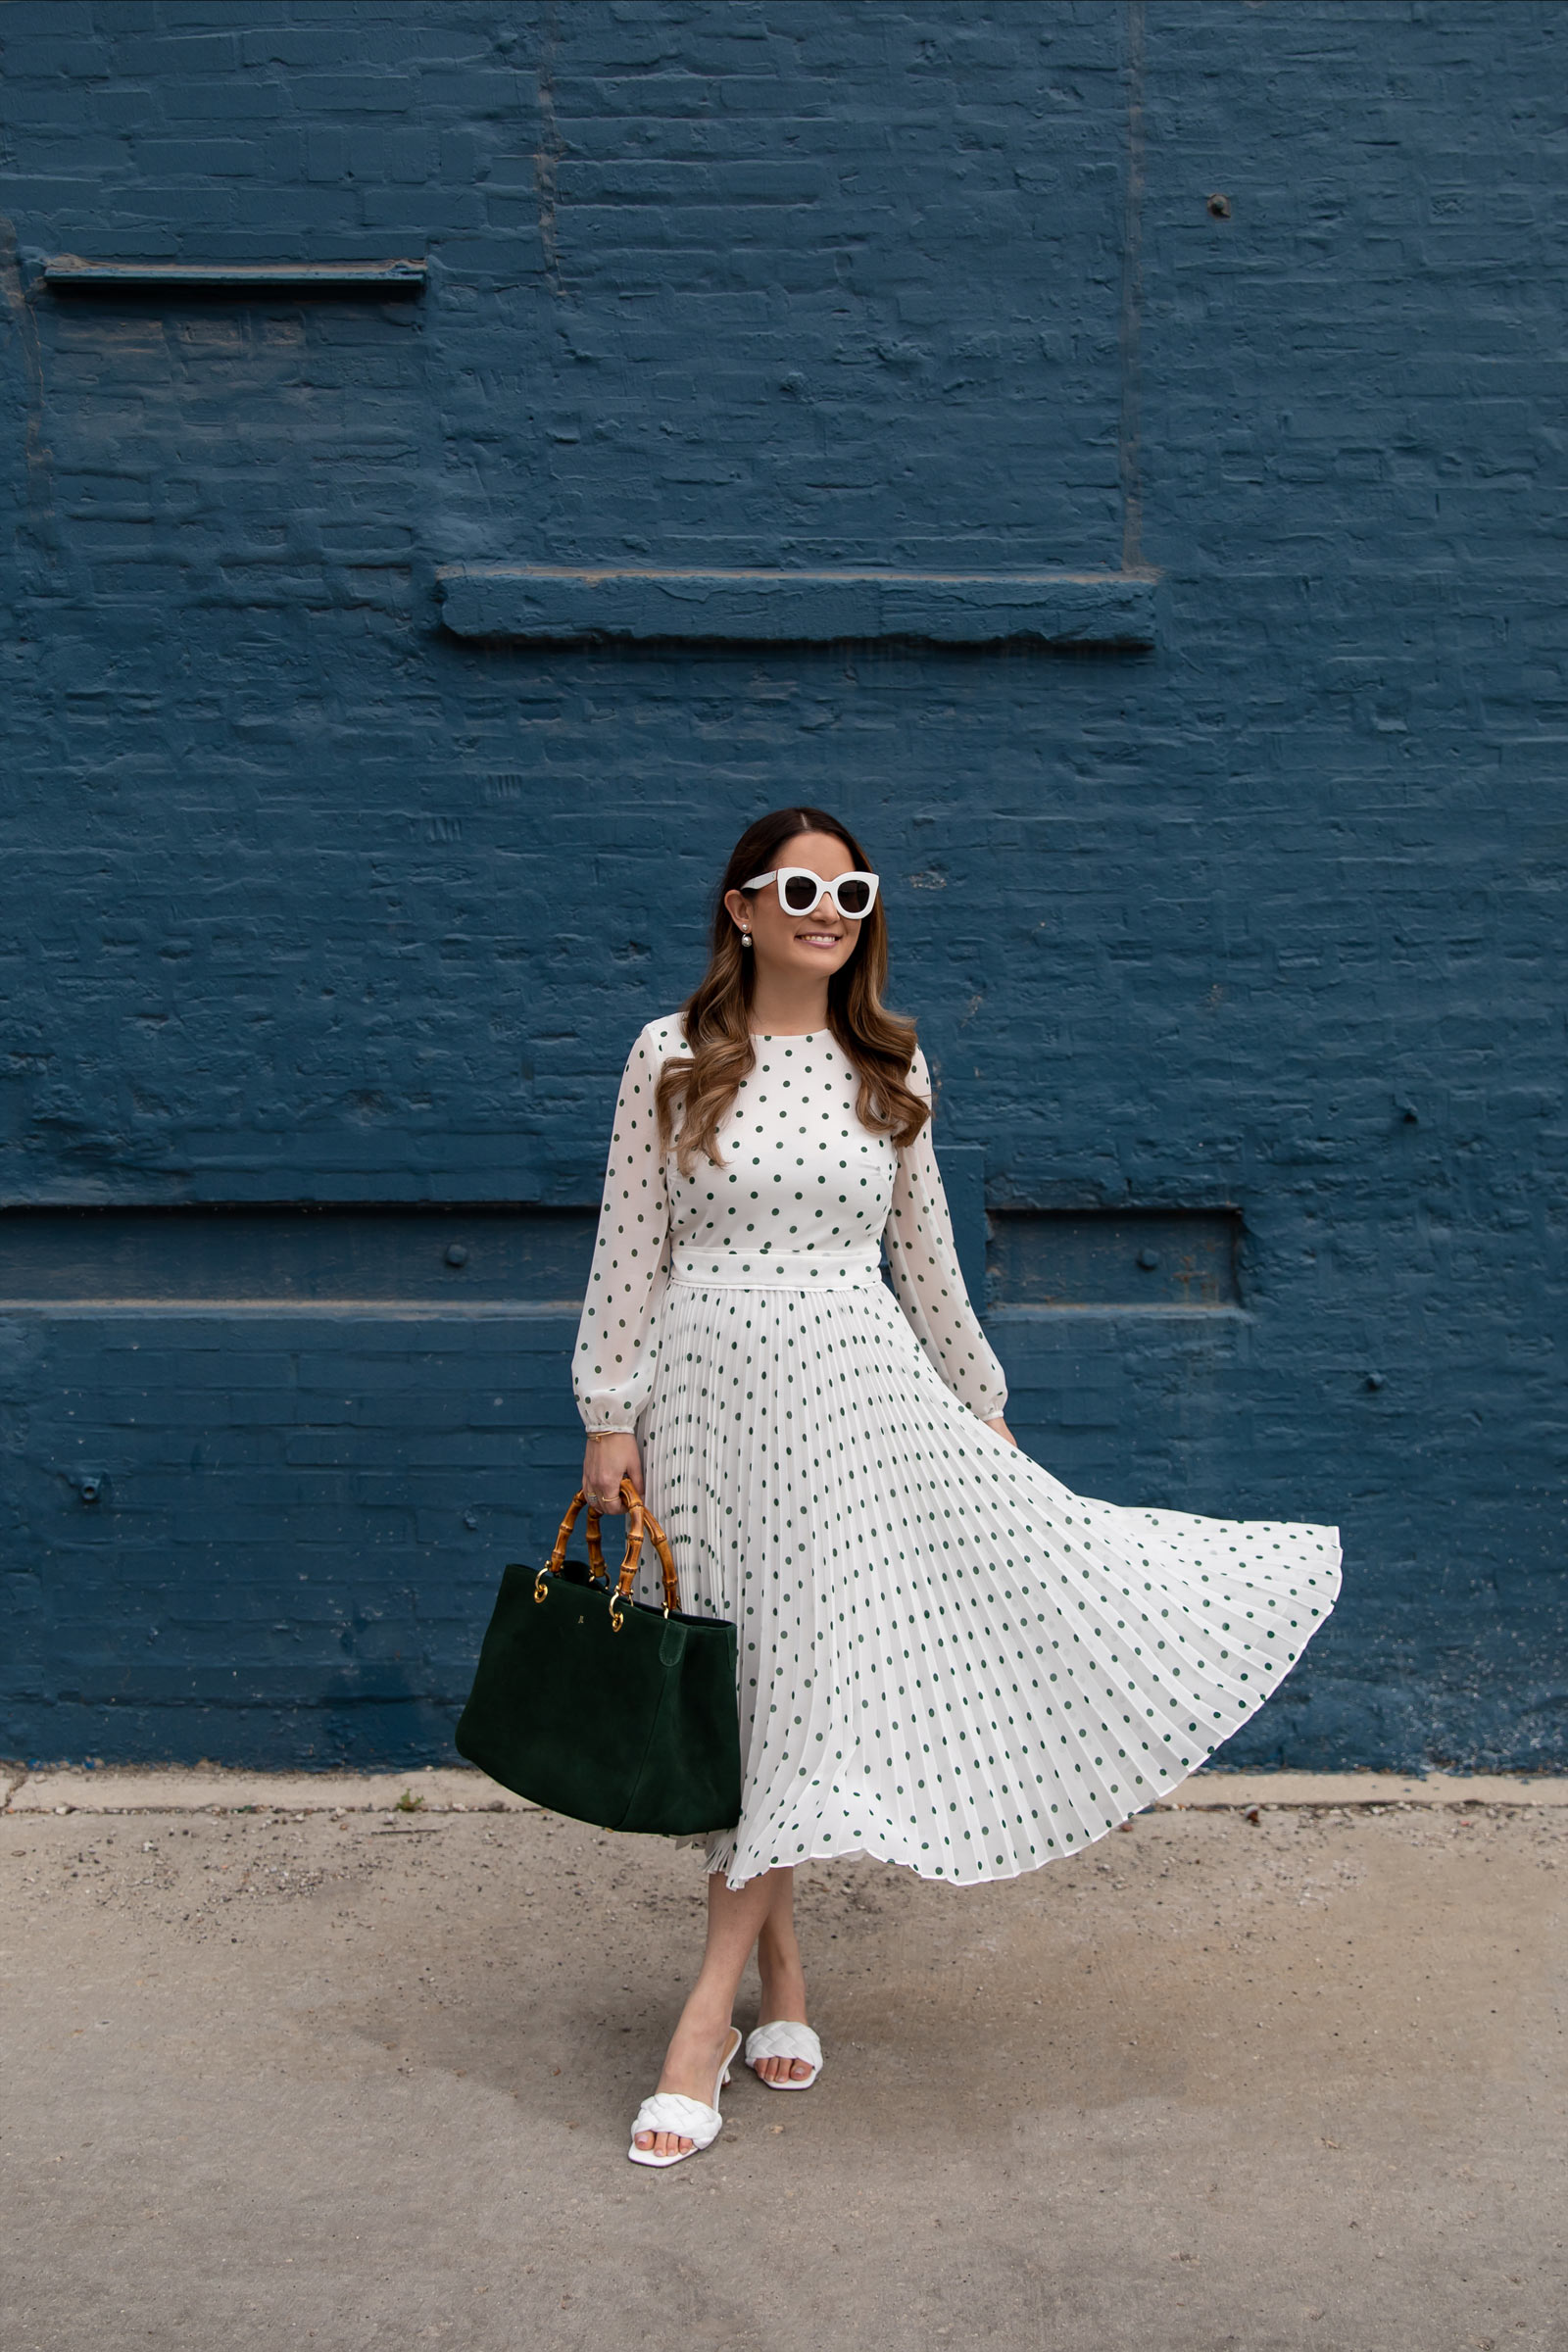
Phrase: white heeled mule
{"type": "Point", "coordinates": [672, 2111]}
{"type": "Point", "coordinates": [784, 2038]}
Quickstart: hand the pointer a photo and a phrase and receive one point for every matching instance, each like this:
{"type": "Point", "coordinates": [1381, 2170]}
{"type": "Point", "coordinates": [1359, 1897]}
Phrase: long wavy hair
{"type": "Point", "coordinates": [717, 1015]}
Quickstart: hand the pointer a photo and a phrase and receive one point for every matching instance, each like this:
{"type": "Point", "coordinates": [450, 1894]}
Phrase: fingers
{"type": "Point", "coordinates": [601, 1494]}
{"type": "Point", "coordinates": [606, 1460]}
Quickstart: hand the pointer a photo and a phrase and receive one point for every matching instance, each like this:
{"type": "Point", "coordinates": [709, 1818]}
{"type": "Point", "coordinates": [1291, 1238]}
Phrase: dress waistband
{"type": "Point", "coordinates": [778, 1269]}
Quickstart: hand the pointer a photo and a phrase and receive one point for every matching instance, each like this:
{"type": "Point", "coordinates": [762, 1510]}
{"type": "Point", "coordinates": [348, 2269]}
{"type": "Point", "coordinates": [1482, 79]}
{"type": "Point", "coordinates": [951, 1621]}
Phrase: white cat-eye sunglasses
{"type": "Point", "coordinates": [801, 892]}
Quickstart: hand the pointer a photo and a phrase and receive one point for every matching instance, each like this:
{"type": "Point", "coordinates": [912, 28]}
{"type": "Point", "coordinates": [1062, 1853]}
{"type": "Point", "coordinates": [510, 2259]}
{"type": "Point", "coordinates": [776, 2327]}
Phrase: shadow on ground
{"type": "Point", "coordinates": [366, 2080]}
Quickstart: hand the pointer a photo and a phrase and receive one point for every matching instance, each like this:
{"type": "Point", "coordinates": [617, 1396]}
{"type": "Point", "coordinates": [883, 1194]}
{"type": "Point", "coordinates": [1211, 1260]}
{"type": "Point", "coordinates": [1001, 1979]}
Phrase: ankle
{"type": "Point", "coordinates": [706, 2018]}
{"type": "Point", "coordinates": [783, 1994]}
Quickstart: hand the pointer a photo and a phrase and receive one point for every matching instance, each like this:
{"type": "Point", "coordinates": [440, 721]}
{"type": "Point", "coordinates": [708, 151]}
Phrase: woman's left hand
{"type": "Point", "coordinates": [1001, 1430]}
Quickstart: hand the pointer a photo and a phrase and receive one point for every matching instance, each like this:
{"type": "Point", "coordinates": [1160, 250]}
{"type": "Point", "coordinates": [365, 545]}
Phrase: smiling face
{"type": "Point", "coordinates": [795, 946]}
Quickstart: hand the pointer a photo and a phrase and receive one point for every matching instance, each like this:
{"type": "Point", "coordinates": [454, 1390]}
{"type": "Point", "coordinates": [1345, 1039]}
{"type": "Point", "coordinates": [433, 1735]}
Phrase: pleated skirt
{"type": "Point", "coordinates": [945, 1657]}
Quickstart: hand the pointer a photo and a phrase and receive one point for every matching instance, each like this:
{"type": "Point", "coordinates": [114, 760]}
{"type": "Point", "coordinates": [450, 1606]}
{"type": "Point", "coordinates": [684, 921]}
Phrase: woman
{"type": "Point", "coordinates": [947, 1659]}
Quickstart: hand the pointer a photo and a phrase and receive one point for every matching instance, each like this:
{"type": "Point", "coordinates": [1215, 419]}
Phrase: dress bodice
{"type": "Point", "coordinates": [801, 1177]}
{"type": "Point", "coordinates": [800, 1172]}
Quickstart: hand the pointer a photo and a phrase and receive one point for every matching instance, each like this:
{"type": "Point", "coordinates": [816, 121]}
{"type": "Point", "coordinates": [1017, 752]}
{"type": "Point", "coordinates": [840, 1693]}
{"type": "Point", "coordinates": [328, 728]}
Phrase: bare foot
{"type": "Point", "coordinates": [691, 2067]}
{"type": "Point", "coordinates": [783, 1997]}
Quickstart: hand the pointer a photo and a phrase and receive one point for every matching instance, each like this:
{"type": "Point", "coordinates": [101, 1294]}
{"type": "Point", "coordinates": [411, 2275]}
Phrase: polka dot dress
{"type": "Point", "coordinates": [947, 1658]}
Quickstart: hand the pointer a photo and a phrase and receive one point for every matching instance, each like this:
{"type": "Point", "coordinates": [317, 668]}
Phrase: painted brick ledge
{"type": "Point", "coordinates": [177, 1789]}
{"type": "Point", "coordinates": [72, 272]}
{"type": "Point", "coordinates": [555, 604]}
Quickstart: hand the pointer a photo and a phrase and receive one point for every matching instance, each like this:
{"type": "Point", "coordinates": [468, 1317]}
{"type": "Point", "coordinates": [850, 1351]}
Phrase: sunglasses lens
{"type": "Point", "coordinates": [801, 893]}
{"type": "Point", "coordinates": [854, 895]}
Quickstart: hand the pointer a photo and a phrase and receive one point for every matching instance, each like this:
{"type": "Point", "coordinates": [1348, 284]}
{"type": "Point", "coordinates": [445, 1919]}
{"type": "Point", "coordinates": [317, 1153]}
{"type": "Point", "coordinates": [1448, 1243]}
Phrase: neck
{"type": "Point", "coordinates": [788, 1003]}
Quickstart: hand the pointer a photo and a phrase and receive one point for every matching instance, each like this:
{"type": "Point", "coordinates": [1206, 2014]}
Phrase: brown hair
{"type": "Point", "coordinates": [717, 1015]}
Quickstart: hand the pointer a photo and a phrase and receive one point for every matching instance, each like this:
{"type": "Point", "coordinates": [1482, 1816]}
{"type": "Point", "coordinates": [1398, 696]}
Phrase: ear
{"type": "Point", "coordinates": [738, 907]}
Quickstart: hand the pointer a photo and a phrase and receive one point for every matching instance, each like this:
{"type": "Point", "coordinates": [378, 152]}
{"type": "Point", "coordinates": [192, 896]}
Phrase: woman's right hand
{"type": "Point", "coordinates": [606, 1461]}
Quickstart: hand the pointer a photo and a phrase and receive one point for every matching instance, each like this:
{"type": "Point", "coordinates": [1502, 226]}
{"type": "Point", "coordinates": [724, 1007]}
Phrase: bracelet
{"type": "Point", "coordinates": [594, 1433]}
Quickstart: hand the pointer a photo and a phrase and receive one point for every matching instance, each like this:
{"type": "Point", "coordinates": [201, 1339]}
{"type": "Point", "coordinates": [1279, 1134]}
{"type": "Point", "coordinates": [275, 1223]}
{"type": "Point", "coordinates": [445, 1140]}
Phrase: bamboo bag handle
{"type": "Point", "coordinates": [596, 1553]}
{"type": "Point", "coordinates": [640, 1520]}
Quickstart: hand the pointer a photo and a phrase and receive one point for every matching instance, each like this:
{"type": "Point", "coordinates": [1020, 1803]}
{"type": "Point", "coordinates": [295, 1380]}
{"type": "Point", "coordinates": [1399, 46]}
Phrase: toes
{"type": "Point", "coordinates": [644, 2141]}
{"type": "Point", "coordinates": [784, 2069]}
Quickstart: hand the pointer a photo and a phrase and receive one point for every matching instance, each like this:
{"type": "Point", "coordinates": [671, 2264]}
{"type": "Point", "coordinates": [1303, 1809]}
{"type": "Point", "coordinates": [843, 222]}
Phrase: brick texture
{"type": "Point", "coordinates": [311, 900]}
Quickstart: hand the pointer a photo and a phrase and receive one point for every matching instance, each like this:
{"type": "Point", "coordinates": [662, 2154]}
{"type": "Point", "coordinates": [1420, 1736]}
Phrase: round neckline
{"type": "Point", "coordinates": [786, 1037]}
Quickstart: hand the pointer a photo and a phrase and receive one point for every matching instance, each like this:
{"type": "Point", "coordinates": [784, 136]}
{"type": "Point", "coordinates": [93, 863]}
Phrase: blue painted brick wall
{"type": "Point", "coordinates": [308, 899]}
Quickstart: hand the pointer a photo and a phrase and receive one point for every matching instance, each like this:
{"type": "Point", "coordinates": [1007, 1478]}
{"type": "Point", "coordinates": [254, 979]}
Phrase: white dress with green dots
{"type": "Point", "coordinates": [947, 1658]}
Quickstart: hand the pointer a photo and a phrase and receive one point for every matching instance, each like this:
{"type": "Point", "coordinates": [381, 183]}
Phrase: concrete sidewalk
{"type": "Point", "coordinates": [200, 1788]}
{"type": "Point", "coordinates": [362, 2077]}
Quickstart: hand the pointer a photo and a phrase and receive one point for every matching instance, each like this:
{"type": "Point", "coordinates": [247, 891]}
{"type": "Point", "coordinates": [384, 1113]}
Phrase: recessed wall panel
{"type": "Point", "coordinates": [1127, 1258]}
{"type": "Point", "coordinates": [456, 1258]}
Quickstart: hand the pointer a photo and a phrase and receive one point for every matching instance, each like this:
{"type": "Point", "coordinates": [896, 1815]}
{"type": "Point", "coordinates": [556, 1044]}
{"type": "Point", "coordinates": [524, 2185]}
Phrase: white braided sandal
{"type": "Point", "coordinates": [672, 2111]}
{"type": "Point", "coordinates": [784, 2038]}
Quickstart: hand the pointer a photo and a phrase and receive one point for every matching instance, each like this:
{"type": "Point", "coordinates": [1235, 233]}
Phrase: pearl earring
{"type": "Point", "coordinates": [746, 938]}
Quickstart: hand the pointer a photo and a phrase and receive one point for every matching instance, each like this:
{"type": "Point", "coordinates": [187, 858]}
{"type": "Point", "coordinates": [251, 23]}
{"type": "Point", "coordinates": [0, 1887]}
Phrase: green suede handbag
{"type": "Point", "coordinates": [591, 1703]}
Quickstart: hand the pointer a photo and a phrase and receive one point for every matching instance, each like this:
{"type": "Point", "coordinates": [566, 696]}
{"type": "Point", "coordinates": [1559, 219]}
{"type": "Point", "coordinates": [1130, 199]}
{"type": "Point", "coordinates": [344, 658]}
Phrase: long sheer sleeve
{"type": "Point", "coordinates": [924, 1263]}
{"type": "Point", "coordinates": [617, 1337]}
